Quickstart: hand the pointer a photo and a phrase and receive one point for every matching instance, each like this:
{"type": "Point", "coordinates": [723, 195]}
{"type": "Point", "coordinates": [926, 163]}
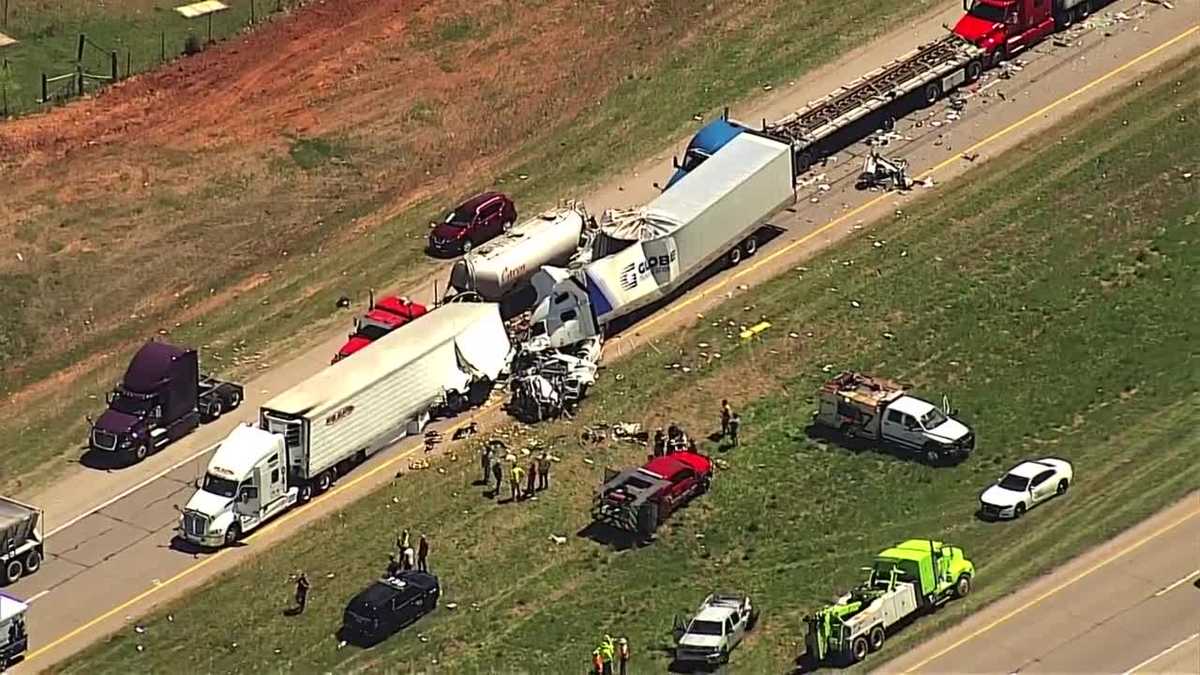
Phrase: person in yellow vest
{"type": "Point", "coordinates": [608, 650]}
{"type": "Point", "coordinates": [514, 480]}
{"type": "Point", "coordinates": [623, 656]}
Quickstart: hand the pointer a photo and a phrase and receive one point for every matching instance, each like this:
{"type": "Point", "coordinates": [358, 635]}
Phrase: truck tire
{"type": "Point", "coordinates": [723, 657]}
{"type": "Point", "coordinates": [467, 246]}
{"type": "Point", "coordinates": [735, 256]}
{"type": "Point", "coordinates": [877, 638]}
{"type": "Point", "coordinates": [974, 70]}
{"type": "Point", "coordinates": [804, 161]}
{"type": "Point", "coordinates": [888, 123]}
{"type": "Point", "coordinates": [233, 400]}
{"type": "Point", "coordinates": [963, 588]}
{"type": "Point", "coordinates": [140, 452]}
{"type": "Point", "coordinates": [933, 92]}
{"type": "Point", "coordinates": [33, 561]}
{"type": "Point", "coordinates": [859, 649]}
{"type": "Point", "coordinates": [216, 408]}
{"type": "Point", "coordinates": [507, 226]}
{"type": "Point", "coordinates": [233, 534]}
{"type": "Point", "coordinates": [13, 570]}
{"type": "Point", "coordinates": [932, 454]}
{"type": "Point", "coordinates": [305, 493]}
{"type": "Point", "coordinates": [324, 481]}
{"type": "Point", "coordinates": [750, 246]}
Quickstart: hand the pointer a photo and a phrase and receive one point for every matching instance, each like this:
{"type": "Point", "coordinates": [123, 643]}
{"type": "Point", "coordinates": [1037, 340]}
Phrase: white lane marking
{"type": "Point", "coordinates": [35, 596]}
{"type": "Point", "coordinates": [126, 493]}
{"type": "Point", "coordinates": [1161, 654]}
{"type": "Point", "coordinates": [1186, 578]}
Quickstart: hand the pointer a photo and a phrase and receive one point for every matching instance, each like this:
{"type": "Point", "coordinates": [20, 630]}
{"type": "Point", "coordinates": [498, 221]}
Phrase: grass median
{"type": "Point", "coordinates": [1055, 319]}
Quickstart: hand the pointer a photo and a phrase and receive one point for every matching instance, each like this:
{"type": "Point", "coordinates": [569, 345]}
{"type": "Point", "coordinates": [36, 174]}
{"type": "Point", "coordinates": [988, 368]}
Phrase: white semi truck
{"type": "Point", "coordinates": [494, 271]}
{"type": "Point", "coordinates": [643, 255]}
{"type": "Point", "coordinates": [313, 432]}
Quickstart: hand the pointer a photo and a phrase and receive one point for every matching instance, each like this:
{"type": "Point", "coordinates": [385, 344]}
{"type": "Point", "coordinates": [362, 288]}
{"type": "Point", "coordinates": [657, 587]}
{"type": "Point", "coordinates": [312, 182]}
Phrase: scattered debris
{"type": "Point", "coordinates": [882, 172]}
{"type": "Point", "coordinates": [558, 540]}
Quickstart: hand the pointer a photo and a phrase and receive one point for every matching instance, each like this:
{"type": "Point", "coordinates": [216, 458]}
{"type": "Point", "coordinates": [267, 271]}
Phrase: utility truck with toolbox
{"type": "Point", "coordinates": [21, 539]}
{"type": "Point", "coordinates": [638, 500]}
{"type": "Point", "coordinates": [384, 316]}
{"type": "Point", "coordinates": [878, 409]}
{"type": "Point", "coordinates": [720, 624]}
{"type": "Point", "coordinates": [876, 100]}
{"type": "Point", "coordinates": [906, 580]}
{"type": "Point", "coordinates": [162, 398]}
{"type": "Point", "coordinates": [643, 255]}
{"type": "Point", "coordinates": [316, 431]}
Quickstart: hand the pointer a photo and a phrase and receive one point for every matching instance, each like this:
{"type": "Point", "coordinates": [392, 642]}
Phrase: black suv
{"type": "Point", "coordinates": [390, 604]}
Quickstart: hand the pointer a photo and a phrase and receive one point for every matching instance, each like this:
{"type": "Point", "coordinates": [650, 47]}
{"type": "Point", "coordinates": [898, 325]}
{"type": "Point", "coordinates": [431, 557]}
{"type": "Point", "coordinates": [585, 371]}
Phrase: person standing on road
{"type": "Point", "coordinates": [498, 474]}
{"type": "Point", "coordinates": [735, 423]}
{"type": "Point", "coordinates": [514, 480]}
{"type": "Point", "coordinates": [423, 554]}
{"type": "Point", "coordinates": [302, 587]}
{"type": "Point", "coordinates": [726, 415]}
{"type": "Point", "coordinates": [544, 471]}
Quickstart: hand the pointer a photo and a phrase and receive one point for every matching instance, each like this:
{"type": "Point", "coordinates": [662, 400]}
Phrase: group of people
{"type": "Point", "coordinates": [608, 652]}
{"type": "Point", "coordinates": [523, 482]}
{"type": "Point", "coordinates": [406, 558]}
{"type": "Point", "coordinates": [674, 440]}
{"type": "Point", "coordinates": [731, 422]}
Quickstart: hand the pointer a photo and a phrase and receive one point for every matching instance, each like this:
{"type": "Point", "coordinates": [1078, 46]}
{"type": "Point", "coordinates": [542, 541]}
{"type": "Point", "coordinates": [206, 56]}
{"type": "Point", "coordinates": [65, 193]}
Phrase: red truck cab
{"type": "Point", "coordinates": [385, 316]}
{"type": "Point", "coordinates": [639, 500]}
{"type": "Point", "coordinates": [1004, 27]}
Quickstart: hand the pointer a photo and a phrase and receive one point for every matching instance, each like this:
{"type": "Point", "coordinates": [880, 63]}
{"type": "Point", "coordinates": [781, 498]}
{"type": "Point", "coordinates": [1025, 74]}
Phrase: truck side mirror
{"type": "Point", "coordinates": [91, 422]}
{"type": "Point", "coordinates": [675, 162]}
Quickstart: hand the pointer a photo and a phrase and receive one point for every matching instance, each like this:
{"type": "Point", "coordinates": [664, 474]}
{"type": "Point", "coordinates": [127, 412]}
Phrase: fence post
{"type": "Point", "coordinates": [162, 55]}
{"type": "Point", "coordinates": [79, 79]}
{"type": "Point", "coordinates": [251, 11]}
{"type": "Point", "coordinates": [45, 88]}
{"type": "Point", "coordinates": [113, 63]}
{"type": "Point", "coordinates": [128, 56]}
{"type": "Point", "coordinates": [79, 49]}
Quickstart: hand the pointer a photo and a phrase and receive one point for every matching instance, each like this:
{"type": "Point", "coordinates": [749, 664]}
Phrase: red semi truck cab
{"type": "Point", "coordinates": [385, 316]}
{"type": "Point", "coordinates": [1004, 27]}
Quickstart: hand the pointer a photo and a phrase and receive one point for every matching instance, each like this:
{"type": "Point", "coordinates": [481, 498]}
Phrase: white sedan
{"type": "Point", "coordinates": [1025, 486]}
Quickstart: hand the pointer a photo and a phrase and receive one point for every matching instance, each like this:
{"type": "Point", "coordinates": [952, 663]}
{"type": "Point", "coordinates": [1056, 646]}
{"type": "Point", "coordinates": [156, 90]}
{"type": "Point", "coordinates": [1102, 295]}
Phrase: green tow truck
{"type": "Point", "coordinates": [910, 578]}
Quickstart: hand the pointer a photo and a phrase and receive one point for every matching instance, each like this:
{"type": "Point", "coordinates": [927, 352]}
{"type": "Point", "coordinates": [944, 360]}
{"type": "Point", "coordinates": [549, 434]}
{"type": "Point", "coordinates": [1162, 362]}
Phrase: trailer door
{"type": "Point", "coordinates": [295, 440]}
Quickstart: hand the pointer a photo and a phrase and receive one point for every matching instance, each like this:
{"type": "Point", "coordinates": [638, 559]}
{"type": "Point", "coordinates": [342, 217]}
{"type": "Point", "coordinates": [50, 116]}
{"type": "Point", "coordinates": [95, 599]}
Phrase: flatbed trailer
{"type": "Point", "coordinates": [875, 100]}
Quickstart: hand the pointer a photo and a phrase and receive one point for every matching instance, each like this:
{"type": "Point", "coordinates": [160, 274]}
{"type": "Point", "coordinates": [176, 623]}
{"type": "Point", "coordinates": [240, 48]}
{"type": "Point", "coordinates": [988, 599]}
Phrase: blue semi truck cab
{"type": "Point", "coordinates": [711, 138]}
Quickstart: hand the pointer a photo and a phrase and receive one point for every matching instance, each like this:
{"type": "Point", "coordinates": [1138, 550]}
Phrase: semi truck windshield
{"type": "Point", "coordinates": [220, 486]}
{"type": "Point", "coordinates": [988, 12]}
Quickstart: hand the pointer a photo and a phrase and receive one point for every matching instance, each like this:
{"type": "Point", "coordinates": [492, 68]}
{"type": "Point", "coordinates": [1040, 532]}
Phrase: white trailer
{"type": "Point", "coordinates": [505, 264]}
{"type": "Point", "coordinates": [14, 640]}
{"type": "Point", "coordinates": [21, 539]}
{"type": "Point", "coordinates": [643, 255]}
{"type": "Point", "coordinates": [334, 420]}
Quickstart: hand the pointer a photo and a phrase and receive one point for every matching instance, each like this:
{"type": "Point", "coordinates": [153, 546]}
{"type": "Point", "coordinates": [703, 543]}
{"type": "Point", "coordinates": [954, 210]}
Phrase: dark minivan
{"type": "Point", "coordinates": [390, 604]}
{"type": "Point", "coordinates": [474, 222]}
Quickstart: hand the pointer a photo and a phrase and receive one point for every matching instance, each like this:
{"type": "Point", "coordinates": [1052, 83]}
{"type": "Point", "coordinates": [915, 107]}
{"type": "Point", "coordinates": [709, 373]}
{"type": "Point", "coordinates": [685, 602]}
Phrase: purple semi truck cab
{"type": "Point", "coordinates": [161, 398]}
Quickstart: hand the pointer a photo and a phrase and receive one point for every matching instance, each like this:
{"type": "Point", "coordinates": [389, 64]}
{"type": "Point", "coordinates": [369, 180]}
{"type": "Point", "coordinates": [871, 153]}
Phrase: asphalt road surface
{"type": "Point", "coordinates": [1129, 606]}
{"type": "Point", "coordinates": [110, 556]}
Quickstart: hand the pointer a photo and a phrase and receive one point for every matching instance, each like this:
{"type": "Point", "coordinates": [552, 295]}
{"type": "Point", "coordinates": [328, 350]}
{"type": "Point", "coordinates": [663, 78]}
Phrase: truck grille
{"type": "Point", "coordinates": [194, 524]}
{"type": "Point", "coordinates": [104, 440]}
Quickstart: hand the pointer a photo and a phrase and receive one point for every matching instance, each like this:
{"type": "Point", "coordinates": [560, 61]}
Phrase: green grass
{"type": "Point", "coordinates": [1054, 318]}
{"type": "Point", "coordinates": [144, 33]}
{"type": "Point", "coordinates": [708, 58]}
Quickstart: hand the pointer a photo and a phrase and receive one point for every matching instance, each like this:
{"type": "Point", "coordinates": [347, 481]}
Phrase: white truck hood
{"type": "Point", "coordinates": [700, 641]}
{"type": "Point", "coordinates": [208, 503]}
{"type": "Point", "coordinates": [1002, 497]}
{"type": "Point", "coordinates": [949, 431]}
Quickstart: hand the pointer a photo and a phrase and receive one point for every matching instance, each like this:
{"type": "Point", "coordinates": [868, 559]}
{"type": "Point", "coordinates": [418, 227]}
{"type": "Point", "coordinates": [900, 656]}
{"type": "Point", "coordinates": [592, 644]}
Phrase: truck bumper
{"type": "Point", "coordinates": [207, 540]}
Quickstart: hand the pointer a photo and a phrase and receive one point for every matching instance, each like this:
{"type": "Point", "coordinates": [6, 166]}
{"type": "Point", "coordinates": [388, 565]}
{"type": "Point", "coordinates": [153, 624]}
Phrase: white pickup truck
{"type": "Point", "coordinates": [720, 624]}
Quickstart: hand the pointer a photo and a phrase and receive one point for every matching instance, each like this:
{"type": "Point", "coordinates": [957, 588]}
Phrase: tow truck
{"type": "Point", "coordinates": [639, 500]}
{"type": "Point", "coordinates": [910, 578]}
{"type": "Point", "coordinates": [719, 625]}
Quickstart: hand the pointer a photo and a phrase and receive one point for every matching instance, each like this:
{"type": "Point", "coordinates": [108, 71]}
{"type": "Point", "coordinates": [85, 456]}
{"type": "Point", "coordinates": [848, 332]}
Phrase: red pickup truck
{"type": "Point", "coordinates": [640, 499]}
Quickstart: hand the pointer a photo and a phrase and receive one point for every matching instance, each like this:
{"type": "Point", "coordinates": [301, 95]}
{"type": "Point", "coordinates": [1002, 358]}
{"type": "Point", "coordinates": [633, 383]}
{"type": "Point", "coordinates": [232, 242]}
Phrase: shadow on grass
{"type": "Point", "coordinates": [616, 538]}
{"type": "Point", "coordinates": [823, 435]}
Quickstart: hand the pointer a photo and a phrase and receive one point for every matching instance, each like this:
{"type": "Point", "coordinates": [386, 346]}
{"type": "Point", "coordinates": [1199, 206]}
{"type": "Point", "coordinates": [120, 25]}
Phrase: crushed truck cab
{"type": "Point", "coordinates": [874, 408]}
{"type": "Point", "coordinates": [908, 579]}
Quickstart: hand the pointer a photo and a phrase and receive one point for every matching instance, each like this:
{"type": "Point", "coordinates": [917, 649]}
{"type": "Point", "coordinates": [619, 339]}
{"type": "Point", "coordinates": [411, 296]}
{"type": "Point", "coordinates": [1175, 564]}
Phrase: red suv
{"type": "Point", "coordinates": [474, 222]}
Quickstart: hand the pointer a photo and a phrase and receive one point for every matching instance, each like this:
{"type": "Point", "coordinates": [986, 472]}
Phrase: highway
{"type": "Point", "coordinates": [110, 556]}
{"type": "Point", "coordinates": [1131, 605]}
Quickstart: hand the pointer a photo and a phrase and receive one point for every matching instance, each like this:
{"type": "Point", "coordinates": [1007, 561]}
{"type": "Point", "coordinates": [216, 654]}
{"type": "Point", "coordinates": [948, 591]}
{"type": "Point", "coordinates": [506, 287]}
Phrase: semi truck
{"type": "Point", "coordinates": [641, 256]}
{"type": "Point", "coordinates": [316, 431]}
{"type": "Point", "coordinates": [14, 639]}
{"type": "Point", "coordinates": [384, 316]}
{"type": "Point", "coordinates": [875, 100]}
{"type": "Point", "coordinates": [879, 409]}
{"type": "Point", "coordinates": [912, 577]}
{"type": "Point", "coordinates": [1002, 28]}
{"type": "Point", "coordinates": [21, 537]}
{"type": "Point", "coordinates": [495, 271]}
{"type": "Point", "coordinates": [640, 499]}
{"type": "Point", "coordinates": [161, 398]}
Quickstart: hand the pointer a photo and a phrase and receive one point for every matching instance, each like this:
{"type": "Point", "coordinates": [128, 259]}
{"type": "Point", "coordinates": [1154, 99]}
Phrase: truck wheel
{"type": "Point", "coordinates": [999, 56]}
{"type": "Point", "coordinates": [467, 246]}
{"type": "Point", "coordinates": [974, 70]}
{"type": "Point", "coordinates": [735, 256]}
{"type": "Point", "coordinates": [305, 493]}
{"type": "Point", "coordinates": [233, 534]}
{"type": "Point", "coordinates": [216, 408]}
{"type": "Point", "coordinates": [235, 399]}
{"type": "Point", "coordinates": [507, 226]}
{"type": "Point", "coordinates": [932, 455]}
{"type": "Point", "coordinates": [933, 91]}
{"type": "Point", "coordinates": [13, 571]}
{"type": "Point", "coordinates": [723, 657]}
{"type": "Point", "coordinates": [324, 481]}
{"type": "Point", "coordinates": [877, 638]}
{"type": "Point", "coordinates": [963, 588]}
{"type": "Point", "coordinates": [140, 452]}
{"type": "Point", "coordinates": [859, 649]}
{"type": "Point", "coordinates": [750, 246]}
{"type": "Point", "coordinates": [804, 161]}
{"type": "Point", "coordinates": [888, 124]}
{"type": "Point", "coordinates": [33, 562]}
